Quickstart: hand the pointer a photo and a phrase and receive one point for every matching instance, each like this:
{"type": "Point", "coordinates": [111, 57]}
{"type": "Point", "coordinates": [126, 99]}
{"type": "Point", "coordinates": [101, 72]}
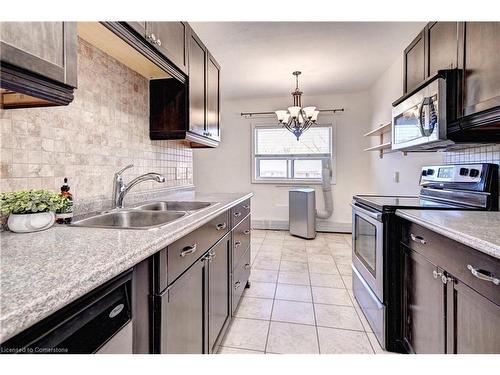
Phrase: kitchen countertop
{"type": "Point", "coordinates": [477, 229]}
{"type": "Point", "coordinates": [44, 271]}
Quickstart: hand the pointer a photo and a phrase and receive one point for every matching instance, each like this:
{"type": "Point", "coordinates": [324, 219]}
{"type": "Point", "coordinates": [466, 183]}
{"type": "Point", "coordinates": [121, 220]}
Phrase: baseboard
{"type": "Point", "coordinates": [321, 226]}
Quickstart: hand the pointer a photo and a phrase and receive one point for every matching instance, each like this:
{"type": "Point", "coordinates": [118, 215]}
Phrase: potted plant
{"type": "Point", "coordinates": [30, 210]}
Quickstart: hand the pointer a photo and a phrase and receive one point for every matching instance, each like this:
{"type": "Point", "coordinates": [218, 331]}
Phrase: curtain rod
{"type": "Point", "coordinates": [250, 114]}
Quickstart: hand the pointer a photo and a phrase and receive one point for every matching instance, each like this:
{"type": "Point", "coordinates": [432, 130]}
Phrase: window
{"type": "Point", "coordinates": [279, 157]}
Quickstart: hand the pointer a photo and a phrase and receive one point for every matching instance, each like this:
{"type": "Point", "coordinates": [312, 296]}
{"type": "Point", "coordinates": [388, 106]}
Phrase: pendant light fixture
{"type": "Point", "coordinates": [297, 119]}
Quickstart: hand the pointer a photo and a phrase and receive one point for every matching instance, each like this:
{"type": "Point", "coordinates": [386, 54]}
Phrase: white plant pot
{"type": "Point", "coordinates": [25, 223]}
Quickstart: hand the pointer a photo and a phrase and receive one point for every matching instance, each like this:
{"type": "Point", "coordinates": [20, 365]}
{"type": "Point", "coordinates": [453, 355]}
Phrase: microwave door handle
{"type": "Point", "coordinates": [420, 113]}
{"type": "Point", "coordinates": [375, 215]}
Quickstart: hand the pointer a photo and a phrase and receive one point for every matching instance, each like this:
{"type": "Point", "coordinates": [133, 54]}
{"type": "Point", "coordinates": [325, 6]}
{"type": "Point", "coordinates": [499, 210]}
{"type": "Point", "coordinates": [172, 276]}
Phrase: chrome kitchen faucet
{"type": "Point", "coordinates": [120, 189]}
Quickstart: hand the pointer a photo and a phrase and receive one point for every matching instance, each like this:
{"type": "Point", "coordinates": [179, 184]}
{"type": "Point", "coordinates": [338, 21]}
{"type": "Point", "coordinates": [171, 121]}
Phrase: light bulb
{"type": "Point", "coordinates": [309, 111]}
{"type": "Point", "coordinates": [314, 116]}
{"type": "Point", "coordinates": [281, 115]}
{"type": "Point", "coordinates": [294, 111]}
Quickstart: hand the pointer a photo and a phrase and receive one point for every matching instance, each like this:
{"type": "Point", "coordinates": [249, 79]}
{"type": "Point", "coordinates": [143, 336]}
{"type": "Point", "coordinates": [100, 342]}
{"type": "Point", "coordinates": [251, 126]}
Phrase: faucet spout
{"type": "Point", "coordinates": [122, 189]}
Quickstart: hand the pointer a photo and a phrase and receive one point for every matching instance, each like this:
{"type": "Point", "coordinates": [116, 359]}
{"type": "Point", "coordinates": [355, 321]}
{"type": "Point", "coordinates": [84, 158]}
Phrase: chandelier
{"type": "Point", "coordinates": [297, 119]}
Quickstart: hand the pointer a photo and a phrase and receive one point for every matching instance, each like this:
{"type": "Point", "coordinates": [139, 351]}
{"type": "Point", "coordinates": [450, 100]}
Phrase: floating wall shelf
{"type": "Point", "coordinates": [383, 147]}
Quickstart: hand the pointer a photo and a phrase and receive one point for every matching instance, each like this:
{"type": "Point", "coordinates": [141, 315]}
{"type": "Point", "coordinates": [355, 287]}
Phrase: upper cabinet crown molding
{"type": "Point", "coordinates": [38, 63]}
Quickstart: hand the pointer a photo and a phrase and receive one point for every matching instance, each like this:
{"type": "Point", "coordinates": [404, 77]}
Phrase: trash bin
{"type": "Point", "coordinates": [302, 213]}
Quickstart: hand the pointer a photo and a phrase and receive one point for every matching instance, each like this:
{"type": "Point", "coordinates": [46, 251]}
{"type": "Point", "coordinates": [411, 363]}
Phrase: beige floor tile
{"type": "Point", "coordinates": [294, 255]}
{"type": "Point", "coordinates": [320, 258]}
{"type": "Point", "coordinates": [348, 238]}
{"type": "Point", "coordinates": [344, 268]}
{"type": "Point", "coordinates": [338, 341]}
{"type": "Point", "coordinates": [331, 296]}
{"type": "Point", "coordinates": [334, 316]}
{"type": "Point", "coordinates": [330, 281]}
{"type": "Point", "coordinates": [266, 264]}
{"type": "Point", "coordinates": [287, 338]}
{"type": "Point", "coordinates": [297, 278]}
{"type": "Point", "coordinates": [347, 281]}
{"type": "Point", "coordinates": [375, 344]}
{"type": "Point", "coordinates": [343, 259]}
{"type": "Point", "coordinates": [325, 268]}
{"type": "Point", "coordinates": [270, 254]}
{"type": "Point", "coordinates": [266, 276]}
{"type": "Point", "coordinates": [294, 245]}
{"type": "Point", "coordinates": [362, 317]}
{"type": "Point", "coordinates": [290, 292]}
{"type": "Point", "coordinates": [227, 350]}
{"type": "Point", "coordinates": [279, 234]}
{"type": "Point", "coordinates": [342, 250]}
{"type": "Point", "coordinates": [353, 299]}
{"type": "Point", "coordinates": [271, 249]}
{"type": "Point", "coordinates": [293, 312]}
{"type": "Point", "coordinates": [247, 334]}
{"type": "Point", "coordinates": [254, 308]}
{"type": "Point", "coordinates": [287, 265]}
{"type": "Point", "coordinates": [261, 290]}
{"type": "Point", "coordinates": [258, 233]}
{"type": "Point", "coordinates": [272, 242]}
{"type": "Point", "coordinates": [318, 251]}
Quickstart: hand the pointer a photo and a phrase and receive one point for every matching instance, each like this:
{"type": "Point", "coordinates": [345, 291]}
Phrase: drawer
{"type": "Point", "coordinates": [455, 258]}
{"type": "Point", "coordinates": [171, 262]}
{"type": "Point", "coordinates": [240, 211]}
{"type": "Point", "coordinates": [241, 239]}
{"type": "Point", "coordinates": [240, 277]}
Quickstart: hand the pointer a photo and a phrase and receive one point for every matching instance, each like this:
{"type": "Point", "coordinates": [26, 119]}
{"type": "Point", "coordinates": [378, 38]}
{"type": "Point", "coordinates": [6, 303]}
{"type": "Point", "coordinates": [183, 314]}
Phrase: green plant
{"type": "Point", "coordinates": [30, 201]}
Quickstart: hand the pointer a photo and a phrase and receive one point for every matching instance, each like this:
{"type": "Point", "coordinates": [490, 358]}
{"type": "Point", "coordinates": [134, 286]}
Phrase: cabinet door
{"type": "Point", "coordinates": [218, 290]}
{"type": "Point", "coordinates": [414, 63]}
{"type": "Point", "coordinates": [480, 61]}
{"type": "Point", "coordinates": [213, 99]}
{"type": "Point", "coordinates": [424, 305]}
{"type": "Point", "coordinates": [475, 325]}
{"type": "Point", "coordinates": [442, 46]}
{"type": "Point", "coordinates": [181, 329]}
{"type": "Point", "coordinates": [48, 49]}
{"type": "Point", "coordinates": [138, 26]}
{"type": "Point", "coordinates": [197, 89]}
{"type": "Point", "coordinates": [170, 39]}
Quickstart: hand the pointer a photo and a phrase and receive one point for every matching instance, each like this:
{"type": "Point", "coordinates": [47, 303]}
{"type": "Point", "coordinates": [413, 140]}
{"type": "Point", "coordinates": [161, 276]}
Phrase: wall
{"type": "Point", "coordinates": [105, 128]}
{"type": "Point", "coordinates": [228, 168]}
{"type": "Point", "coordinates": [383, 93]}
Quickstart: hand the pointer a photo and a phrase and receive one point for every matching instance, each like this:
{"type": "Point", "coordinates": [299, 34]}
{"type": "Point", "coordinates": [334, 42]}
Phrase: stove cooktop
{"type": "Point", "coordinates": [391, 203]}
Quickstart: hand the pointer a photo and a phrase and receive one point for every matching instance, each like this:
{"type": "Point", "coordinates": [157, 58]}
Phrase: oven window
{"type": "Point", "coordinates": [365, 245]}
{"type": "Point", "coordinates": [407, 125]}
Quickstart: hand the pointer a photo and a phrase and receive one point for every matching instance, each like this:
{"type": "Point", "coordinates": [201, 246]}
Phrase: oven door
{"type": "Point", "coordinates": [368, 246]}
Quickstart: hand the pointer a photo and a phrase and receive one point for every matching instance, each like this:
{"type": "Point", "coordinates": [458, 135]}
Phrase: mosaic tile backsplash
{"type": "Point", "coordinates": [105, 128]}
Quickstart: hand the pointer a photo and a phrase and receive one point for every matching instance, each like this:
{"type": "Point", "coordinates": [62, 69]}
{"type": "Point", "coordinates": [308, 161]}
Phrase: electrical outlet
{"type": "Point", "coordinates": [178, 173]}
{"type": "Point", "coordinates": [396, 177]}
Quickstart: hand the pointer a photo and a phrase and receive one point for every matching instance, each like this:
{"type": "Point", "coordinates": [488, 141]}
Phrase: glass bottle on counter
{"type": "Point", "coordinates": [65, 214]}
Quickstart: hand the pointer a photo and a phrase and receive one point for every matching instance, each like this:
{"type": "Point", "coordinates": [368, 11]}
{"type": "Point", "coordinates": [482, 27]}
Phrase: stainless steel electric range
{"type": "Point", "coordinates": [376, 262]}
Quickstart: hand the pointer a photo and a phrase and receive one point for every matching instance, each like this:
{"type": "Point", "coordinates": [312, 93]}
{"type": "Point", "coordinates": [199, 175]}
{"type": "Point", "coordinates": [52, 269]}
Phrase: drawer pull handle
{"type": "Point", "coordinates": [237, 244]}
{"type": "Point", "coordinates": [188, 250]}
{"type": "Point", "coordinates": [246, 266]}
{"type": "Point", "coordinates": [246, 231]}
{"type": "Point", "coordinates": [246, 207]}
{"type": "Point", "coordinates": [237, 285]}
{"type": "Point", "coordinates": [418, 239]}
{"type": "Point", "coordinates": [237, 214]}
{"type": "Point", "coordinates": [483, 275]}
{"type": "Point", "coordinates": [221, 226]}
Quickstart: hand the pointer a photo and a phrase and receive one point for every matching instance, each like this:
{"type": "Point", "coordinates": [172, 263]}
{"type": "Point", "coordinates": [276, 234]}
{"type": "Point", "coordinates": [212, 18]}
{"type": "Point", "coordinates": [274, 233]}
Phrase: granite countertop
{"type": "Point", "coordinates": [44, 271]}
{"type": "Point", "coordinates": [477, 229]}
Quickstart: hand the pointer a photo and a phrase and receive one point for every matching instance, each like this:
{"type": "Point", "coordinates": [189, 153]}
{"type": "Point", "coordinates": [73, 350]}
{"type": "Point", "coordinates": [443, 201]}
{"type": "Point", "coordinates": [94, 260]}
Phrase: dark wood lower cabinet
{"type": "Point", "coordinates": [424, 304]}
{"type": "Point", "coordinates": [474, 322]}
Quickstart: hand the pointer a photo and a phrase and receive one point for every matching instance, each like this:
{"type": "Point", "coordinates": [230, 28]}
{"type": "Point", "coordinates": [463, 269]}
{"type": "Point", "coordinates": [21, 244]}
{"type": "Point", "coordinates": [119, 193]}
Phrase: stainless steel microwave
{"type": "Point", "coordinates": [420, 118]}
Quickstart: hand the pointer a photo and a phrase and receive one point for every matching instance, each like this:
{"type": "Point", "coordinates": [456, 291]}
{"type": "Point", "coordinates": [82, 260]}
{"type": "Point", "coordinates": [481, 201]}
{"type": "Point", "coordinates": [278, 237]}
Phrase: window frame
{"type": "Point", "coordinates": [290, 181]}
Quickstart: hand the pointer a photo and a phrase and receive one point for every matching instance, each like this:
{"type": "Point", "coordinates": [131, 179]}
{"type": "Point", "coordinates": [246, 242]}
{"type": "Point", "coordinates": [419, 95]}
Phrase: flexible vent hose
{"type": "Point", "coordinates": [326, 182]}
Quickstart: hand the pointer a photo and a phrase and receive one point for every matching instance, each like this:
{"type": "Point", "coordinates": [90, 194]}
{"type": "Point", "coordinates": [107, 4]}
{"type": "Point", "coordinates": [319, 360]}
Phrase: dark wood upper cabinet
{"type": "Point", "coordinates": [479, 58]}
{"type": "Point", "coordinates": [197, 85]}
{"type": "Point", "coordinates": [171, 39]}
{"type": "Point", "coordinates": [213, 99]}
{"type": "Point", "coordinates": [414, 65]}
{"type": "Point", "coordinates": [442, 46]}
{"type": "Point", "coordinates": [39, 61]}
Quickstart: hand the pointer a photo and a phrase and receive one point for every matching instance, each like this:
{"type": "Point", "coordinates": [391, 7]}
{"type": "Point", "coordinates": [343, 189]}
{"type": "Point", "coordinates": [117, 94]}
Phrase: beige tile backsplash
{"type": "Point", "coordinates": [105, 128]}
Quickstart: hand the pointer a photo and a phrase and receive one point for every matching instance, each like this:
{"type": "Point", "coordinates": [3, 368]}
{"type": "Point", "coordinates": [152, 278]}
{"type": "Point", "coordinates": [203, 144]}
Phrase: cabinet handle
{"type": "Point", "coordinates": [246, 231]}
{"type": "Point", "coordinates": [221, 226]}
{"type": "Point", "coordinates": [418, 239]}
{"type": "Point", "coordinates": [158, 42]}
{"type": "Point", "coordinates": [151, 37]}
{"type": "Point", "coordinates": [483, 275]}
{"type": "Point", "coordinates": [246, 266]}
{"type": "Point", "coordinates": [237, 244]}
{"type": "Point", "coordinates": [438, 274]}
{"type": "Point", "coordinates": [246, 207]}
{"type": "Point", "coordinates": [237, 214]}
{"type": "Point", "coordinates": [237, 285]}
{"type": "Point", "coordinates": [188, 250]}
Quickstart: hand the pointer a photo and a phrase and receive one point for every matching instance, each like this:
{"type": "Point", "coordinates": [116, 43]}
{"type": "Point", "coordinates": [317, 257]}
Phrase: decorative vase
{"type": "Point", "coordinates": [26, 223]}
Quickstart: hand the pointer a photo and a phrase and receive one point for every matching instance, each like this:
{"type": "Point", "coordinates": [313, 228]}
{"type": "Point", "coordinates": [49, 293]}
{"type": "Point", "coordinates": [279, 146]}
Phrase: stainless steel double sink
{"type": "Point", "coordinates": [145, 216]}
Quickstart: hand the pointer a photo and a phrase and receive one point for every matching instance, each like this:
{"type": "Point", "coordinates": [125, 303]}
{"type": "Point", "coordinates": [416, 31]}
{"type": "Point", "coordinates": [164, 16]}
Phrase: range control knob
{"type": "Point", "coordinates": [474, 173]}
{"type": "Point", "coordinates": [430, 172]}
{"type": "Point", "coordinates": [464, 171]}
{"type": "Point", "coordinates": [424, 172]}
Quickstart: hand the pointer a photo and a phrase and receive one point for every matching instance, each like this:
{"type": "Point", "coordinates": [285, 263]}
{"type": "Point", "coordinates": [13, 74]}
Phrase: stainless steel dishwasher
{"type": "Point", "coordinates": [99, 322]}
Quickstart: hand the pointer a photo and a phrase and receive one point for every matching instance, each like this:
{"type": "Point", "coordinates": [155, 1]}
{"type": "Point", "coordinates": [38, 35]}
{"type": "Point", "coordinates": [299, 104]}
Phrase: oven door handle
{"type": "Point", "coordinates": [375, 215]}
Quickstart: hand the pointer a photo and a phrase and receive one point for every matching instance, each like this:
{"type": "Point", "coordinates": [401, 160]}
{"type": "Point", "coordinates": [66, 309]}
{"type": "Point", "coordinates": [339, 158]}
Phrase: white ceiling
{"type": "Point", "coordinates": [258, 58]}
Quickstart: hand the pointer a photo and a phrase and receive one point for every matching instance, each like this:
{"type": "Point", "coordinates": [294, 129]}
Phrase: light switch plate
{"type": "Point", "coordinates": [178, 173]}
